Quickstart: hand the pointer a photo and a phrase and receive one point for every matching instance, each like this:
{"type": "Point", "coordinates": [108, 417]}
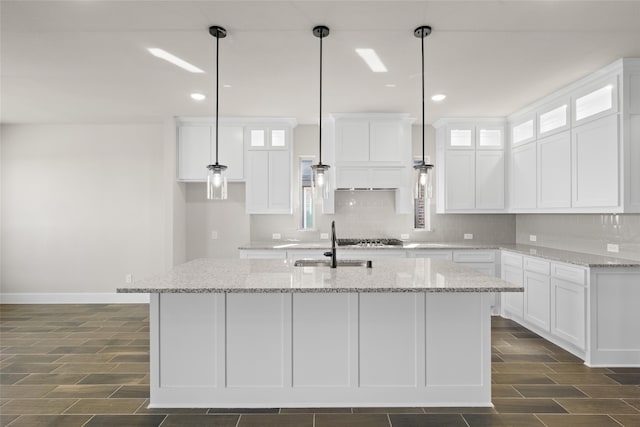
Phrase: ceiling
{"type": "Point", "coordinates": [86, 61]}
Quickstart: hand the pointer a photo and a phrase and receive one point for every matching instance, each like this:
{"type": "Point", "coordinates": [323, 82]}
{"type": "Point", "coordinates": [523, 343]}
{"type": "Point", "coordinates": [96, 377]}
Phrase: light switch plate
{"type": "Point", "coordinates": [214, 234]}
{"type": "Point", "coordinates": [613, 247]}
{"type": "Point", "coordinates": [404, 236]}
{"type": "Point", "coordinates": [468, 236]}
{"type": "Point", "coordinates": [276, 236]}
{"type": "Point", "coordinates": [324, 236]}
{"type": "Point", "coordinates": [533, 237]}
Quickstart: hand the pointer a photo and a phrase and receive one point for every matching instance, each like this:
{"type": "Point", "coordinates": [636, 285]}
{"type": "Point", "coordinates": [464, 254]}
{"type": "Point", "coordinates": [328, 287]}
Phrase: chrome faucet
{"type": "Point", "coordinates": [332, 253]}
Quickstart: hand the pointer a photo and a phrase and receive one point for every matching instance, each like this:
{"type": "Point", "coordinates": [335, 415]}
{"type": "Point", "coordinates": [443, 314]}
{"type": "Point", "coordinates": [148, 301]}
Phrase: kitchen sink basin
{"type": "Point", "coordinates": [327, 263]}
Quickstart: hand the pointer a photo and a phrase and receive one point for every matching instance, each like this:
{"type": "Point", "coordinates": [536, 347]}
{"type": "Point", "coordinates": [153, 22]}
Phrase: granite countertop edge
{"type": "Point", "coordinates": [313, 290]}
{"type": "Point", "coordinates": [560, 255]}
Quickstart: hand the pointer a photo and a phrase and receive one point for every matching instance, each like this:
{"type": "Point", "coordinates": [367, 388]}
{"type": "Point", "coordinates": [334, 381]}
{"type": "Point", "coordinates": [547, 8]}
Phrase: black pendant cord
{"type": "Point", "coordinates": [422, 40]}
{"type": "Point", "coordinates": [320, 111]}
{"type": "Point", "coordinates": [217, 74]}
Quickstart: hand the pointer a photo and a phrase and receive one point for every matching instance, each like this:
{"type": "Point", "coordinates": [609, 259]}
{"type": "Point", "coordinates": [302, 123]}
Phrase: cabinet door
{"type": "Point", "coordinates": [595, 163]}
{"type": "Point", "coordinates": [568, 311]}
{"type": "Point", "coordinates": [554, 171]}
{"type": "Point", "coordinates": [553, 118]}
{"type": "Point", "coordinates": [490, 137]}
{"type": "Point", "coordinates": [490, 180]}
{"type": "Point", "coordinates": [385, 138]}
{"type": "Point", "coordinates": [352, 142]}
{"type": "Point", "coordinates": [461, 136]}
{"type": "Point", "coordinates": [512, 302]}
{"type": "Point", "coordinates": [257, 187]}
{"type": "Point", "coordinates": [194, 152]}
{"type": "Point", "coordinates": [279, 181]}
{"type": "Point", "coordinates": [460, 179]}
{"type": "Point", "coordinates": [523, 176]}
{"type": "Point", "coordinates": [231, 151]}
{"type": "Point", "coordinates": [523, 130]}
{"type": "Point", "coordinates": [595, 100]}
{"type": "Point", "coordinates": [537, 300]}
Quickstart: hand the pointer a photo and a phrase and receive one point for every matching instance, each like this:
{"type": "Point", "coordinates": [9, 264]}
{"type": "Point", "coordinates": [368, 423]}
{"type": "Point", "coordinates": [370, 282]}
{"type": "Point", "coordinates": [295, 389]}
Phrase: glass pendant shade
{"type": "Point", "coordinates": [217, 182]}
{"type": "Point", "coordinates": [422, 188]}
{"type": "Point", "coordinates": [321, 182]}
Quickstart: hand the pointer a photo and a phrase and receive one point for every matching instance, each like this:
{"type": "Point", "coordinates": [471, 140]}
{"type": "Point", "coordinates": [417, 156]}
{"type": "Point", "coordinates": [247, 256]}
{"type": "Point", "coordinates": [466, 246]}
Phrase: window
{"type": "Point", "coordinates": [306, 194]}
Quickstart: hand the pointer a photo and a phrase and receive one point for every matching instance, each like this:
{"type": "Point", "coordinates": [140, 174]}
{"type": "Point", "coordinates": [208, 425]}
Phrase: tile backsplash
{"type": "Point", "coordinates": [588, 233]}
{"type": "Point", "coordinates": [372, 214]}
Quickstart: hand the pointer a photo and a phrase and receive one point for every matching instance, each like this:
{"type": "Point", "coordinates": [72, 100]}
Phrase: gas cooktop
{"type": "Point", "coordinates": [369, 243]}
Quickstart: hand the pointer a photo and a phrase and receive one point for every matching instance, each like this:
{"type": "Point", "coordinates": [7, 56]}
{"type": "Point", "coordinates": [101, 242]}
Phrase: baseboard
{"type": "Point", "coordinates": [74, 298]}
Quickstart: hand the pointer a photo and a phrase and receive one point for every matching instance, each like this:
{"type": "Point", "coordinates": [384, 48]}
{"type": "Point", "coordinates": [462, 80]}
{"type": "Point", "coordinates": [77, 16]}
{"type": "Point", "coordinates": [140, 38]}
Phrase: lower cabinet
{"type": "Point", "coordinates": [554, 301]}
{"type": "Point", "coordinates": [512, 302]}
{"type": "Point", "coordinates": [536, 299]}
{"type": "Point", "coordinates": [568, 320]}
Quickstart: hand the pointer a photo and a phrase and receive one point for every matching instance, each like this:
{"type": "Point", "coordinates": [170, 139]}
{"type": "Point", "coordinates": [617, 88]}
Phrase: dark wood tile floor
{"type": "Point", "coordinates": [88, 365]}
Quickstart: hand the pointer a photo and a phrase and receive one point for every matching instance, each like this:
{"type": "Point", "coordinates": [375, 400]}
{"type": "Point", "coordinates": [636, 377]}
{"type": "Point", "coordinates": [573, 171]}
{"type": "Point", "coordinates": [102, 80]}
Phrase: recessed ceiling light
{"type": "Point", "coordinates": [438, 97]}
{"type": "Point", "coordinates": [163, 54]}
{"type": "Point", "coordinates": [373, 61]}
{"type": "Point", "coordinates": [198, 96]}
{"type": "Point", "coordinates": [226, 85]}
{"type": "Point", "coordinates": [390, 85]}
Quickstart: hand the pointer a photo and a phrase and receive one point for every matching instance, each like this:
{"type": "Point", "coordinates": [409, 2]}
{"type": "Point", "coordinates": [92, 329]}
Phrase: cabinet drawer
{"type": "Point", "coordinates": [427, 253]}
{"type": "Point", "coordinates": [474, 256]}
{"type": "Point", "coordinates": [568, 273]}
{"type": "Point", "coordinates": [482, 267]}
{"type": "Point", "coordinates": [536, 265]}
{"type": "Point", "coordinates": [511, 259]}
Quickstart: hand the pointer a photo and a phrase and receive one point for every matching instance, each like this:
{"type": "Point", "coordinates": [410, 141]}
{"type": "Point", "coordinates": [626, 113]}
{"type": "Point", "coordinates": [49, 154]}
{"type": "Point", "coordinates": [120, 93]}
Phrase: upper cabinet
{"type": "Point", "coordinates": [470, 165]}
{"type": "Point", "coordinates": [256, 151]}
{"type": "Point", "coordinates": [370, 151]}
{"type": "Point", "coordinates": [196, 147]}
{"type": "Point", "coordinates": [586, 157]}
{"type": "Point", "coordinates": [372, 140]}
{"type": "Point", "coordinates": [269, 167]}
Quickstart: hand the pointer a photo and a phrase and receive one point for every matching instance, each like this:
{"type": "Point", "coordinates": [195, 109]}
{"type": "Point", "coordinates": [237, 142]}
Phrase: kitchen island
{"type": "Point", "coordinates": [263, 333]}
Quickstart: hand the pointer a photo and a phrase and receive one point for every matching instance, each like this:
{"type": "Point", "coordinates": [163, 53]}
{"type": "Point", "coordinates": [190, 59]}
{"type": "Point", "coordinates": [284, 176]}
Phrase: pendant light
{"type": "Point", "coordinates": [423, 170]}
{"type": "Point", "coordinates": [321, 180]}
{"type": "Point", "coordinates": [217, 176]}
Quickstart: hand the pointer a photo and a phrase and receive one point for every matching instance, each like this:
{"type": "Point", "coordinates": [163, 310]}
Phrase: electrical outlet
{"type": "Point", "coordinates": [324, 236]}
{"type": "Point", "coordinates": [468, 236]}
{"type": "Point", "coordinates": [612, 247]}
{"type": "Point", "coordinates": [276, 236]}
{"type": "Point", "coordinates": [214, 234]}
{"type": "Point", "coordinates": [404, 236]}
{"type": "Point", "coordinates": [128, 278]}
{"type": "Point", "coordinates": [533, 237]}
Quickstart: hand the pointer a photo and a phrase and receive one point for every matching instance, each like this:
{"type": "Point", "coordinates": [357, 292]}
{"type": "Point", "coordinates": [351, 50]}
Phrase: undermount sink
{"type": "Point", "coordinates": [327, 263]}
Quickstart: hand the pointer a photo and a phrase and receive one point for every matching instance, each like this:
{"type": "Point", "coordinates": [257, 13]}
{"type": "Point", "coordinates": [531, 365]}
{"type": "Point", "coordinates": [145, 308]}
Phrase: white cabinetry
{"type": "Point", "coordinates": [523, 177]}
{"type": "Point", "coordinates": [536, 299]}
{"type": "Point", "coordinates": [554, 303]}
{"type": "Point", "coordinates": [595, 163]}
{"type": "Point", "coordinates": [470, 165]}
{"type": "Point", "coordinates": [371, 139]}
{"type": "Point", "coordinates": [197, 148]}
{"type": "Point", "coordinates": [268, 153]}
{"type": "Point", "coordinates": [568, 304]}
{"type": "Point", "coordinates": [554, 178]}
{"type": "Point", "coordinates": [588, 158]}
{"type": "Point", "coordinates": [371, 151]}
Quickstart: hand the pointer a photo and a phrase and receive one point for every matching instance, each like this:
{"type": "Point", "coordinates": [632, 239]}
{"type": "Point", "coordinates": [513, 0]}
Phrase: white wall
{"type": "Point", "coordinates": [83, 205]}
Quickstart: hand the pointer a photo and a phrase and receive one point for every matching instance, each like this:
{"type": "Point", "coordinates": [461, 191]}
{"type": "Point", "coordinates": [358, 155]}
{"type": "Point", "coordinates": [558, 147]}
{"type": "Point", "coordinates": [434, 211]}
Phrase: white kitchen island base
{"type": "Point", "coordinates": [332, 349]}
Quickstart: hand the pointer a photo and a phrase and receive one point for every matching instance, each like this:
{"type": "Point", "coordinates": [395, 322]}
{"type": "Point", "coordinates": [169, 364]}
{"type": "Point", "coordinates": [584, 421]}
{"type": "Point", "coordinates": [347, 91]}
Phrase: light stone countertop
{"type": "Point", "coordinates": [569, 257]}
{"type": "Point", "coordinates": [259, 276]}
